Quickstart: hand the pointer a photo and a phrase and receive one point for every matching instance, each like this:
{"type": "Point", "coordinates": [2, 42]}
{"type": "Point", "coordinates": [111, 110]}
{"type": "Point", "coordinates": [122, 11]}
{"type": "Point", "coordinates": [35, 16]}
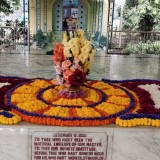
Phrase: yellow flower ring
{"type": "Point", "coordinates": [38, 101]}
{"type": "Point", "coordinates": [7, 117]}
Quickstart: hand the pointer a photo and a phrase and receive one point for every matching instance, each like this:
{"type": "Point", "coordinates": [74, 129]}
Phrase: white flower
{"type": "Point", "coordinates": [4, 84]}
{"type": "Point", "coordinates": [154, 91]}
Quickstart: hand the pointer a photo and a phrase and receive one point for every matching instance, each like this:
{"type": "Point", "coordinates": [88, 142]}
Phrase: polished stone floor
{"type": "Point", "coordinates": [122, 143]}
{"type": "Point", "coordinates": [114, 67]}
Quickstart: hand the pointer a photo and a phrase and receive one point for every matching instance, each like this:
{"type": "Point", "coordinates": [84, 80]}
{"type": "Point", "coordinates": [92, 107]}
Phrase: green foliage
{"type": "Point", "coordinates": [130, 50]}
{"type": "Point", "coordinates": [146, 23]}
{"type": "Point", "coordinates": [156, 47]}
{"type": "Point", "coordinates": [132, 3]}
{"type": "Point", "coordinates": [145, 47]}
{"type": "Point", "coordinates": [8, 6]}
{"type": "Point", "coordinates": [102, 41]}
{"type": "Point", "coordinates": [148, 47]}
{"type": "Point", "coordinates": [131, 19]}
{"type": "Point", "coordinates": [41, 39]}
{"type": "Point", "coordinates": [50, 36]}
{"type": "Point", "coordinates": [143, 15]}
{"type": "Point", "coordinates": [157, 27]}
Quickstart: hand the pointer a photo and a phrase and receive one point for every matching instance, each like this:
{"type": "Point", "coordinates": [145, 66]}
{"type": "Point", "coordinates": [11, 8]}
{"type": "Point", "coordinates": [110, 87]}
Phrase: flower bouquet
{"type": "Point", "coordinates": [72, 59]}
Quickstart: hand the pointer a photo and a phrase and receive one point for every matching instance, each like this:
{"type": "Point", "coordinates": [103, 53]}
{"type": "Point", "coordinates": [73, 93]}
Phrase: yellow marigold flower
{"type": "Point", "coordinates": [40, 83]}
{"type": "Point", "coordinates": [66, 102]}
{"type": "Point", "coordinates": [101, 85]}
{"type": "Point", "coordinates": [153, 122]}
{"type": "Point", "coordinates": [50, 94]}
{"type": "Point", "coordinates": [120, 123]}
{"type": "Point", "coordinates": [145, 121]}
{"type": "Point", "coordinates": [20, 98]}
{"type": "Point", "coordinates": [110, 108]}
{"type": "Point", "coordinates": [87, 112]}
{"type": "Point", "coordinates": [53, 81]}
{"type": "Point", "coordinates": [81, 102]}
{"type": "Point", "coordinates": [117, 120]}
{"type": "Point", "coordinates": [59, 87]}
{"type": "Point", "coordinates": [27, 89]}
{"type": "Point", "coordinates": [115, 92]}
{"type": "Point", "coordinates": [142, 122]}
{"type": "Point", "coordinates": [32, 106]}
{"type": "Point", "coordinates": [2, 120]}
{"type": "Point", "coordinates": [138, 122]}
{"type": "Point", "coordinates": [12, 120]}
{"type": "Point", "coordinates": [125, 124]}
{"type": "Point", "coordinates": [133, 121]}
{"type": "Point", "coordinates": [59, 102]}
{"type": "Point", "coordinates": [92, 95]}
{"type": "Point", "coordinates": [15, 120]}
{"type": "Point", "coordinates": [157, 123]}
{"type": "Point", "coordinates": [74, 102]}
{"type": "Point", "coordinates": [149, 121]}
{"type": "Point", "coordinates": [119, 100]}
{"type": "Point", "coordinates": [58, 111]}
{"type": "Point", "coordinates": [129, 123]}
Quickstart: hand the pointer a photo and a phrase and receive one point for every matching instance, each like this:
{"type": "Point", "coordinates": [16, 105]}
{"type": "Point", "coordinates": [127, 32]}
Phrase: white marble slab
{"type": "Point", "coordinates": [66, 145]}
{"type": "Point", "coordinates": [136, 145]}
{"type": "Point", "coordinates": [13, 143]}
{"type": "Point", "coordinates": [122, 143]}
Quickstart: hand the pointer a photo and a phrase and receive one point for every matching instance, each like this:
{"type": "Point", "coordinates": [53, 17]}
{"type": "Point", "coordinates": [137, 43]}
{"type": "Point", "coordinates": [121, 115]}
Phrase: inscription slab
{"type": "Point", "coordinates": [69, 146]}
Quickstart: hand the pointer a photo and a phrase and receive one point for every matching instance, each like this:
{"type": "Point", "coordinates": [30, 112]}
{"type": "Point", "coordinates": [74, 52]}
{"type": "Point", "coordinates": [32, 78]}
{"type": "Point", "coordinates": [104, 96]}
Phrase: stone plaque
{"type": "Point", "coordinates": [68, 146]}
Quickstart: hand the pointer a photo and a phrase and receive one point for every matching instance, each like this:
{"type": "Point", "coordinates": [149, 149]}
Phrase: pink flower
{"type": "Point", "coordinates": [77, 62]}
{"type": "Point", "coordinates": [67, 84]}
{"type": "Point", "coordinates": [75, 65]}
{"type": "Point", "coordinates": [66, 64]}
{"type": "Point", "coordinates": [67, 73]}
{"type": "Point", "coordinates": [58, 55]}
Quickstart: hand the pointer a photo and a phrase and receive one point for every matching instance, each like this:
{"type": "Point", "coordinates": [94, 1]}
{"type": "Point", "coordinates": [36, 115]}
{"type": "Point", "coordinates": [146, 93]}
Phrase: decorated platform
{"type": "Point", "coordinates": [127, 103]}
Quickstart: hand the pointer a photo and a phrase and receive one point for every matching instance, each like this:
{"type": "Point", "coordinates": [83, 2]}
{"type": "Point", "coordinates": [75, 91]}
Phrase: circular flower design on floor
{"type": "Point", "coordinates": [38, 101]}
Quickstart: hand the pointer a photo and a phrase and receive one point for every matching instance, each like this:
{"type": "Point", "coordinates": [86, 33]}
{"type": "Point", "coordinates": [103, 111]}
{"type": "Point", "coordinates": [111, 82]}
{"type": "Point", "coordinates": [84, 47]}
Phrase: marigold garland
{"type": "Point", "coordinates": [145, 114]}
{"type": "Point", "coordinates": [45, 106]}
{"type": "Point", "coordinates": [132, 120]}
{"type": "Point", "coordinates": [26, 104]}
{"type": "Point", "coordinates": [7, 117]}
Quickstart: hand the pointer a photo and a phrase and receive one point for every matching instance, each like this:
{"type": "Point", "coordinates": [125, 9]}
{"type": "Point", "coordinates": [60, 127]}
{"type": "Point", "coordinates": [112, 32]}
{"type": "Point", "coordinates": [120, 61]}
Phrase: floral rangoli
{"type": "Point", "coordinates": [126, 103]}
